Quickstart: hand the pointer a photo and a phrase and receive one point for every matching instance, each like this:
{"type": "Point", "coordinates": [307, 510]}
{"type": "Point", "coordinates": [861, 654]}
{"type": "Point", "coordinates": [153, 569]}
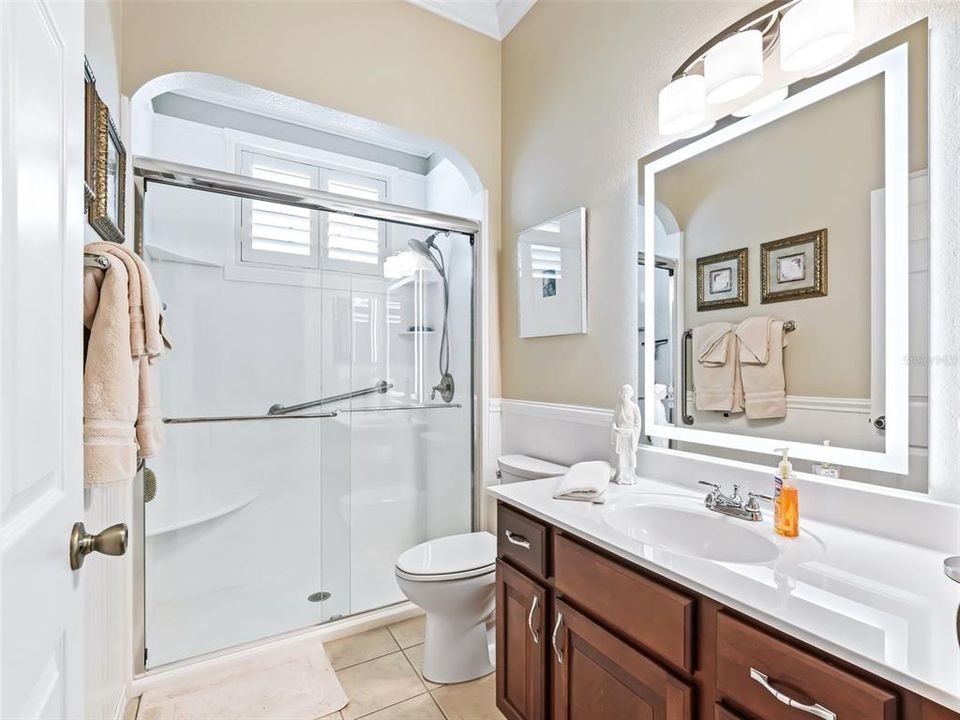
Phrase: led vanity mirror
{"type": "Point", "coordinates": [783, 277]}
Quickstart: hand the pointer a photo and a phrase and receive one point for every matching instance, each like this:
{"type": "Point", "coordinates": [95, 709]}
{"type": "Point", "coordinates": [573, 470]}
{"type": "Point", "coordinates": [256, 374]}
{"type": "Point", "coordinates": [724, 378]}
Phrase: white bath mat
{"type": "Point", "coordinates": [294, 682]}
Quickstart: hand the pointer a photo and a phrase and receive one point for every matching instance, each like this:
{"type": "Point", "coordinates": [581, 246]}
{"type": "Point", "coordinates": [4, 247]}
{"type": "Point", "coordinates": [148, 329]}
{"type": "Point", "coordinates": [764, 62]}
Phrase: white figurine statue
{"type": "Point", "coordinates": [625, 436]}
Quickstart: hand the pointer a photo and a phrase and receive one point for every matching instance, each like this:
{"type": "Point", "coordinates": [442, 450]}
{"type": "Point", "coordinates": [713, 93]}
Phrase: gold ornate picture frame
{"type": "Point", "coordinates": [107, 208]}
{"type": "Point", "coordinates": [90, 104]}
{"type": "Point", "coordinates": [794, 268]}
{"type": "Point", "coordinates": [722, 280]}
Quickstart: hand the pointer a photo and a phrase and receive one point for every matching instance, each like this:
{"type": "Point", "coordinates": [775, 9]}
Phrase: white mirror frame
{"type": "Point", "coordinates": [892, 65]}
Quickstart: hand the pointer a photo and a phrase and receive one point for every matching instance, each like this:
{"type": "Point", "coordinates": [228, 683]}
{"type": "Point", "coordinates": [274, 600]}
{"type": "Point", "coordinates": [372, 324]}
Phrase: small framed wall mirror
{"type": "Point", "coordinates": [552, 277]}
{"type": "Point", "coordinates": [783, 276]}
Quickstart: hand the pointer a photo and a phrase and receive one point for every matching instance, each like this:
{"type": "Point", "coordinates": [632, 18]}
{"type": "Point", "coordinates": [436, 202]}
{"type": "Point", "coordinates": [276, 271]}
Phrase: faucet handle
{"type": "Point", "coordinates": [752, 504]}
{"type": "Point", "coordinates": [709, 484]}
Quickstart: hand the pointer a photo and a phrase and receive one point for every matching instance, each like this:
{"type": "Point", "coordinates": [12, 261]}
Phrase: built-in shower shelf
{"type": "Point", "coordinates": [412, 280]}
{"type": "Point", "coordinates": [156, 252]}
{"type": "Point", "coordinates": [163, 519]}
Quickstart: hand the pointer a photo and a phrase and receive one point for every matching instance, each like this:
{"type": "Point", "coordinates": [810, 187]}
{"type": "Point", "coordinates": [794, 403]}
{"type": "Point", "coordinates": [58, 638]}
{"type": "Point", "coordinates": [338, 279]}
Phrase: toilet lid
{"type": "Point", "coordinates": [450, 555]}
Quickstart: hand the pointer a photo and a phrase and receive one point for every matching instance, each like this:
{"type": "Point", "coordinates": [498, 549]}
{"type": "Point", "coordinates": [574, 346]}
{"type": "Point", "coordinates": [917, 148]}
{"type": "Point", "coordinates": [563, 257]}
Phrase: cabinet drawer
{"type": "Point", "coordinates": [523, 540]}
{"type": "Point", "coordinates": [763, 675]}
{"type": "Point", "coordinates": [648, 612]}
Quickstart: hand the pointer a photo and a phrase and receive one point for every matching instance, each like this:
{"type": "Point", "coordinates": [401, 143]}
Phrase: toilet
{"type": "Point", "coordinates": [452, 579]}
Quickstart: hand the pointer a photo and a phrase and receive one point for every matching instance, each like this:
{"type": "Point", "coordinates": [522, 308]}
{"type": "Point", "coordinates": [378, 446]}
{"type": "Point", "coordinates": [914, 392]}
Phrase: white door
{"type": "Point", "coordinates": [41, 251]}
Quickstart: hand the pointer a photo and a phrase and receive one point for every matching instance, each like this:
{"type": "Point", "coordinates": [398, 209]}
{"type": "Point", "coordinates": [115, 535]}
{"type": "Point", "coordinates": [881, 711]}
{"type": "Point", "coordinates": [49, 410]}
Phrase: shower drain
{"type": "Point", "coordinates": [318, 596]}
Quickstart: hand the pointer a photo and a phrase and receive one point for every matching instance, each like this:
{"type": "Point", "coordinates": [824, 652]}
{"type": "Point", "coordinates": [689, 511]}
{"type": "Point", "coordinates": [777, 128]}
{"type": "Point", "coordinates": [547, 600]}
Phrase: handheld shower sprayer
{"type": "Point", "coordinates": [429, 250]}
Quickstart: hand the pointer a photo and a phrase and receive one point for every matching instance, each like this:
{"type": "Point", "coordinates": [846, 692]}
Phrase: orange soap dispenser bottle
{"type": "Point", "coordinates": [786, 500]}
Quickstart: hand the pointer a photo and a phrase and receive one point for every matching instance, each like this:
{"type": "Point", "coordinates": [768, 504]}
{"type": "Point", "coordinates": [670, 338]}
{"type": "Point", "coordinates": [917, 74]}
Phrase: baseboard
{"type": "Point", "coordinates": [177, 673]}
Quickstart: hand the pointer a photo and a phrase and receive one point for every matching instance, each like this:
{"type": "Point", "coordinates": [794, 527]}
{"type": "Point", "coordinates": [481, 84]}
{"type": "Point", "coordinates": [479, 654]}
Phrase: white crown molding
{"type": "Point", "coordinates": [494, 18]}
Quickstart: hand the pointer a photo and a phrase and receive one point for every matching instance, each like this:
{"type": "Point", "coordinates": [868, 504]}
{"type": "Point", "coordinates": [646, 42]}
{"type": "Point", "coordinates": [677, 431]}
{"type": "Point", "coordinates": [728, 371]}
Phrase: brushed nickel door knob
{"type": "Point", "coordinates": [110, 541]}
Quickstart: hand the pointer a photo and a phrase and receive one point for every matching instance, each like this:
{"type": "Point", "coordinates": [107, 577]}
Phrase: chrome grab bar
{"type": "Point", "coordinates": [533, 609]}
{"type": "Point", "coordinates": [380, 387]}
{"type": "Point", "coordinates": [383, 408]}
{"type": "Point", "coordinates": [816, 709]}
{"type": "Point", "coordinates": [243, 418]}
{"type": "Point", "coordinates": [687, 417]}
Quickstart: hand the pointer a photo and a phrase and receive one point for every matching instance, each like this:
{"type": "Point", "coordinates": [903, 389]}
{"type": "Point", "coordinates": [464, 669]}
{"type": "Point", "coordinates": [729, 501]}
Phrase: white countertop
{"type": "Point", "coordinates": [880, 604]}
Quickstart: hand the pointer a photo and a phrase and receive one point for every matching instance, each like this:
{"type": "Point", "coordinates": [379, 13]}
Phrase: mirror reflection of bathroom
{"type": "Point", "coordinates": [357, 331]}
{"type": "Point", "coordinates": [774, 323]}
{"type": "Point", "coordinates": [663, 295]}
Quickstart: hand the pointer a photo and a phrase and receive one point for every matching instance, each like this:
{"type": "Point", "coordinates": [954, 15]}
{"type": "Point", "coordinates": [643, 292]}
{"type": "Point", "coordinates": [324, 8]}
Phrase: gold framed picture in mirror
{"type": "Point", "coordinates": [722, 280]}
{"type": "Point", "coordinates": [794, 268]}
{"type": "Point", "coordinates": [90, 104]}
{"type": "Point", "coordinates": [107, 208]}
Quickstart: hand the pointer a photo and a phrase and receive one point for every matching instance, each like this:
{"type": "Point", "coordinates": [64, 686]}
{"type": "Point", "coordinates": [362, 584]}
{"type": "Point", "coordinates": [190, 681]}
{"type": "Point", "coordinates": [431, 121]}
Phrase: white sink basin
{"type": "Point", "coordinates": [698, 532]}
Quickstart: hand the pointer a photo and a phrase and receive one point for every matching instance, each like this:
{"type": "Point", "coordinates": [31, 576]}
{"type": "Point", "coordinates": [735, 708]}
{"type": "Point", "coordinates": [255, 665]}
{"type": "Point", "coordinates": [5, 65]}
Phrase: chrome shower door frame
{"type": "Point", "coordinates": [150, 170]}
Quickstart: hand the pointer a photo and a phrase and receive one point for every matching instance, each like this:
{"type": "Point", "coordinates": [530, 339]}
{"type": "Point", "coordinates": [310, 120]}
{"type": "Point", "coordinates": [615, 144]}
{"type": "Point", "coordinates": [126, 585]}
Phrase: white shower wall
{"type": "Point", "coordinates": [251, 518]}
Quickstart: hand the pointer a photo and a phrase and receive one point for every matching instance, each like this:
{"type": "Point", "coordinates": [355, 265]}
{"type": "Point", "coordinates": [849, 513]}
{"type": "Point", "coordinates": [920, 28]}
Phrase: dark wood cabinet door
{"type": "Point", "coordinates": [597, 676]}
{"type": "Point", "coordinates": [521, 645]}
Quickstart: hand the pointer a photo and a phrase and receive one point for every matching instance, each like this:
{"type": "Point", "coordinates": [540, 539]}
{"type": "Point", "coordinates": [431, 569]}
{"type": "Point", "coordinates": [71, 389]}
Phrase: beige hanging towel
{"type": "Point", "coordinates": [762, 340]}
{"type": "Point", "coordinates": [147, 341]}
{"type": "Point", "coordinates": [110, 379]}
{"type": "Point", "coordinates": [716, 377]}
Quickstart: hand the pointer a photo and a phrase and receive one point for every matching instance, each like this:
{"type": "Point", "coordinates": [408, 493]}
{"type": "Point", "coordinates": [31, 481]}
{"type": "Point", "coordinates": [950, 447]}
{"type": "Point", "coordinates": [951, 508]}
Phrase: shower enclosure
{"type": "Point", "coordinates": [318, 402]}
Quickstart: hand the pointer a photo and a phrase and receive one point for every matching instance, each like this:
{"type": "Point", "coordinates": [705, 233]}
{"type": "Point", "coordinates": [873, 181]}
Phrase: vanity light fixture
{"type": "Point", "coordinates": [682, 104]}
{"type": "Point", "coordinates": [734, 66]}
{"type": "Point", "coordinates": [815, 32]}
{"type": "Point", "coordinates": [811, 34]}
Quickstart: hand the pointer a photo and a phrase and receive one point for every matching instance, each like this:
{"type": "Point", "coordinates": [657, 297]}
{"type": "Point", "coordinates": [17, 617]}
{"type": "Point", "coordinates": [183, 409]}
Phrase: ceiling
{"type": "Point", "coordinates": [495, 18]}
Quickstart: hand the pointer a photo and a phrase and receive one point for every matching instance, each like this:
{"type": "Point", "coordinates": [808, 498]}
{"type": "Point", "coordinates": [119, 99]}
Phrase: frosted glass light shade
{"type": "Point", "coordinates": [762, 103]}
{"type": "Point", "coordinates": [682, 105]}
{"type": "Point", "coordinates": [814, 32]}
{"type": "Point", "coordinates": [734, 66]}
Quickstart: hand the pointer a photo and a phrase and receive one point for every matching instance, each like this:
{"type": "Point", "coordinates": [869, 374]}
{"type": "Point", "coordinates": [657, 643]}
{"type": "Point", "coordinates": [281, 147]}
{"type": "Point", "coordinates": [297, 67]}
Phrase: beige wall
{"type": "Point", "coordinates": [580, 84]}
{"type": "Point", "coordinates": [813, 169]}
{"type": "Point", "coordinates": [386, 61]}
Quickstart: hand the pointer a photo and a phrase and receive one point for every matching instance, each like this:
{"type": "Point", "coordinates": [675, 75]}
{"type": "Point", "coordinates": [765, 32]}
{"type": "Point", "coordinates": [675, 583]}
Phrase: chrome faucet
{"type": "Point", "coordinates": [733, 505]}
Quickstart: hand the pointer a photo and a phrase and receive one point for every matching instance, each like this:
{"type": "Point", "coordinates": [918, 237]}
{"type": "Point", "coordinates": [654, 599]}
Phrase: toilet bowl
{"type": "Point", "coordinates": [452, 580]}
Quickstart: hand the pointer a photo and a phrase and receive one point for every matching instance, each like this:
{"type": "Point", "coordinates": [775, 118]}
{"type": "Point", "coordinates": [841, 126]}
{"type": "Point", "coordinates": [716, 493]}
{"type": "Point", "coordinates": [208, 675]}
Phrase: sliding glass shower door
{"type": "Point", "coordinates": [305, 447]}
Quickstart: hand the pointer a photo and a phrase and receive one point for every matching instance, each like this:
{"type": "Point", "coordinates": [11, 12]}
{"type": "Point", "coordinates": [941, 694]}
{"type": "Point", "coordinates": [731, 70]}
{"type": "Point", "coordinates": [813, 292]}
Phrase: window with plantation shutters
{"type": "Point", "coordinates": [297, 238]}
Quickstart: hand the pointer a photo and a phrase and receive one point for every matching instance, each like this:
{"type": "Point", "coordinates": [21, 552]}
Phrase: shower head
{"type": "Point", "coordinates": [420, 248]}
{"type": "Point", "coordinates": [424, 248]}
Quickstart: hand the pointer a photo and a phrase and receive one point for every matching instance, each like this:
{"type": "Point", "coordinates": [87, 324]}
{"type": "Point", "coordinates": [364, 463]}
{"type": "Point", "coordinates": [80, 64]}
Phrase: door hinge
{"type": "Point", "coordinates": [145, 654]}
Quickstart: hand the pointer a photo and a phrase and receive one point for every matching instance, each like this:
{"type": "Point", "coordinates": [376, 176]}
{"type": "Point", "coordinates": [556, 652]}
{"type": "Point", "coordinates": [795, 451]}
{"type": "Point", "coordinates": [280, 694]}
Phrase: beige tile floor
{"type": "Point", "coordinates": [380, 672]}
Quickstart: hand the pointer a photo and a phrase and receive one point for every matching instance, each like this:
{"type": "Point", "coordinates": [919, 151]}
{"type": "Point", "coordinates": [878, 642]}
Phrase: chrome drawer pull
{"type": "Point", "coordinates": [819, 710]}
{"type": "Point", "coordinates": [533, 609]}
{"type": "Point", "coordinates": [520, 540]}
{"type": "Point", "coordinates": [556, 629]}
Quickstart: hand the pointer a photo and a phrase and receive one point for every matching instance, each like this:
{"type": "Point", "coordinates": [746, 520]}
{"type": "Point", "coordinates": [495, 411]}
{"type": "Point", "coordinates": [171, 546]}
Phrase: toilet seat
{"type": "Point", "coordinates": [453, 557]}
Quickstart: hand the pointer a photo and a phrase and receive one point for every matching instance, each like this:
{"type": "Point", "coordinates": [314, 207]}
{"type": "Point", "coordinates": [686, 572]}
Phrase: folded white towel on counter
{"type": "Point", "coordinates": [586, 481]}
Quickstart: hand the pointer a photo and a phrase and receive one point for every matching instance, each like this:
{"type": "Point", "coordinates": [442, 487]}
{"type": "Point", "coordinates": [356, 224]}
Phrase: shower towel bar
{"type": "Point", "coordinates": [373, 408]}
{"type": "Point", "coordinates": [96, 261]}
{"type": "Point", "coordinates": [380, 387]}
{"type": "Point", "coordinates": [243, 418]}
{"type": "Point", "coordinates": [788, 326]}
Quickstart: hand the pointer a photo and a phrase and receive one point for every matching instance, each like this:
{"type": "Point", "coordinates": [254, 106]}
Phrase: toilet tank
{"type": "Point", "coordinates": [517, 468]}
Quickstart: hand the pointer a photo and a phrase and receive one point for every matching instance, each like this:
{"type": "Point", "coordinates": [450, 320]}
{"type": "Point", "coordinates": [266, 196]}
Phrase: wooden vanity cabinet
{"type": "Point", "coordinates": [583, 635]}
{"type": "Point", "coordinates": [521, 645]}
{"type": "Point", "coordinates": [597, 675]}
